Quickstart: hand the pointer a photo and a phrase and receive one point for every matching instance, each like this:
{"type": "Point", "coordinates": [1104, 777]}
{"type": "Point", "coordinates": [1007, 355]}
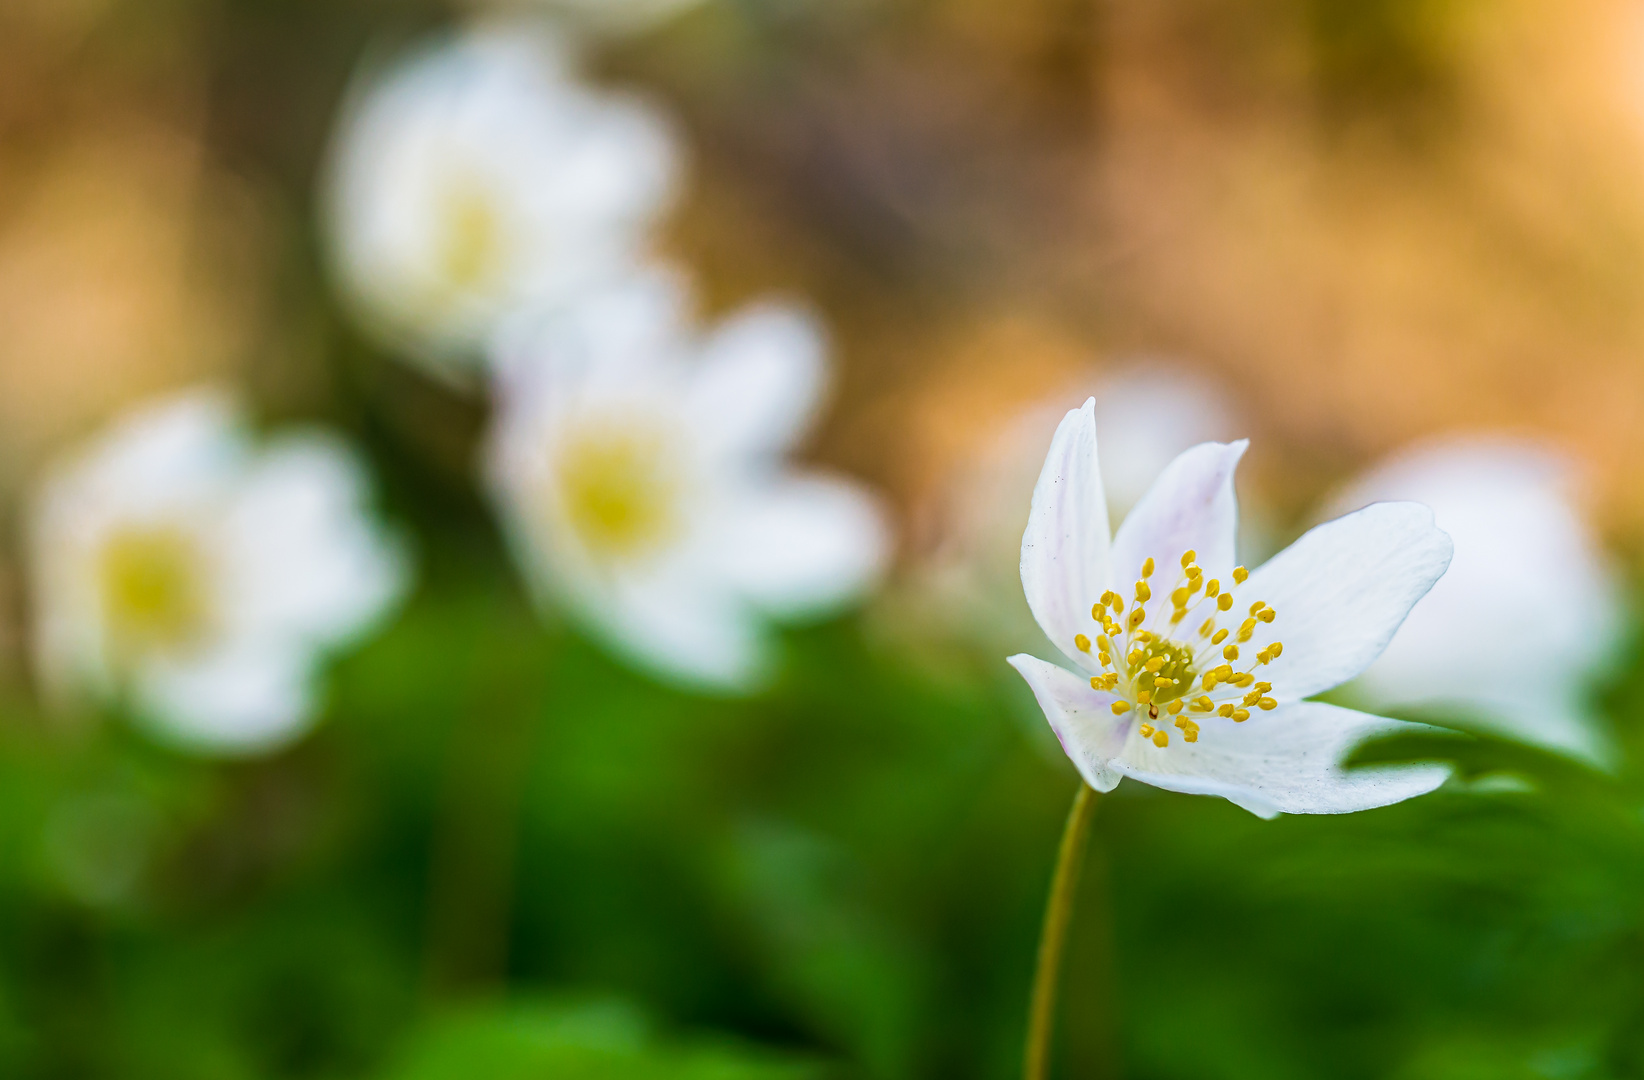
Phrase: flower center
{"type": "Point", "coordinates": [471, 237]}
{"type": "Point", "coordinates": [620, 491]}
{"type": "Point", "coordinates": [152, 589]}
{"type": "Point", "coordinates": [1175, 673]}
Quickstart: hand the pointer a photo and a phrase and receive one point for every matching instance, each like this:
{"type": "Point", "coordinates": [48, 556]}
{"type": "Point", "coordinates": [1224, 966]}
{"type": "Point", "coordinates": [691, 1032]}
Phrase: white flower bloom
{"type": "Point", "coordinates": [639, 472]}
{"type": "Point", "coordinates": [1170, 638]}
{"type": "Point", "coordinates": [1528, 616]}
{"type": "Point", "coordinates": [477, 176]}
{"type": "Point", "coordinates": [180, 569]}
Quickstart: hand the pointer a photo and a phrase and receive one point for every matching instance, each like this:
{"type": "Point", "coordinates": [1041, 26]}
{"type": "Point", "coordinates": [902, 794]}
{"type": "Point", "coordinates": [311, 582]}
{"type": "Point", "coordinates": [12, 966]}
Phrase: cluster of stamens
{"type": "Point", "coordinates": [1155, 671]}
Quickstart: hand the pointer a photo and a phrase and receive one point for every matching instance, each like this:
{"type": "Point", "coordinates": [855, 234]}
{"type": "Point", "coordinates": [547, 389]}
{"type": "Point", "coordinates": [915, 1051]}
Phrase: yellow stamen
{"type": "Point", "coordinates": [1147, 567]}
{"type": "Point", "coordinates": [1081, 642]}
{"type": "Point", "coordinates": [1161, 739]}
{"type": "Point", "coordinates": [1120, 708]}
{"type": "Point", "coordinates": [1239, 574]}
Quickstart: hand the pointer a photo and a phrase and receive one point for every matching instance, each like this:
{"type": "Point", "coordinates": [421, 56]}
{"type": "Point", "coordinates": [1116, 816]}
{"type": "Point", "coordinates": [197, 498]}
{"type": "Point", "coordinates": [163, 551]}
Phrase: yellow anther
{"type": "Point", "coordinates": [1240, 715]}
{"type": "Point", "coordinates": [1177, 616]}
{"type": "Point", "coordinates": [1210, 680]}
{"type": "Point", "coordinates": [1143, 593]}
{"type": "Point", "coordinates": [1257, 606]}
{"type": "Point", "coordinates": [1267, 704]}
{"type": "Point", "coordinates": [1144, 635]}
{"type": "Point", "coordinates": [1264, 687]}
{"type": "Point", "coordinates": [1221, 636]}
{"type": "Point", "coordinates": [1097, 612]}
{"type": "Point", "coordinates": [1276, 649]}
{"type": "Point", "coordinates": [1176, 706]}
{"type": "Point", "coordinates": [1146, 729]}
{"type": "Point", "coordinates": [1134, 658]}
{"type": "Point", "coordinates": [1194, 581]}
{"type": "Point", "coordinates": [1225, 710]}
{"type": "Point", "coordinates": [1188, 557]}
{"type": "Point", "coordinates": [1204, 704]}
{"type": "Point", "coordinates": [1117, 602]}
{"type": "Point", "coordinates": [1120, 708]}
{"type": "Point", "coordinates": [1239, 574]}
{"type": "Point", "coordinates": [1252, 697]}
{"type": "Point", "coordinates": [1225, 672]}
{"type": "Point", "coordinates": [1180, 596]}
{"type": "Point", "coordinates": [1147, 566]}
{"type": "Point", "coordinates": [1160, 682]}
{"type": "Point", "coordinates": [1144, 697]}
{"type": "Point", "coordinates": [1243, 678]}
{"type": "Point", "coordinates": [1182, 722]}
{"type": "Point", "coordinates": [1136, 617]}
{"type": "Point", "coordinates": [1154, 664]}
{"type": "Point", "coordinates": [1212, 587]}
{"type": "Point", "coordinates": [1231, 652]}
{"type": "Point", "coordinates": [1191, 734]}
{"type": "Point", "coordinates": [1161, 738]}
{"type": "Point", "coordinates": [1267, 615]}
{"type": "Point", "coordinates": [1081, 642]}
{"type": "Point", "coordinates": [1263, 656]}
{"type": "Point", "coordinates": [1225, 601]}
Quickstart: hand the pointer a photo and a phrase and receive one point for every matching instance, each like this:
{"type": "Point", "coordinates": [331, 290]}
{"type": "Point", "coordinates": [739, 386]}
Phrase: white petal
{"type": "Point", "coordinates": [801, 546]}
{"type": "Point", "coordinates": [1081, 717]}
{"type": "Point", "coordinates": [760, 380]}
{"type": "Point", "coordinates": [1529, 608]}
{"type": "Point", "coordinates": [1341, 592]}
{"type": "Point", "coordinates": [310, 561]}
{"type": "Point", "coordinates": [245, 697]}
{"type": "Point", "coordinates": [1065, 547]}
{"type": "Point", "coordinates": [1191, 507]}
{"type": "Point", "coordinates": [1285, 761]}
{"type": "Point", "coordinates": [684, 630]}
{"type": "Point", "coordinates": [1149, 415]}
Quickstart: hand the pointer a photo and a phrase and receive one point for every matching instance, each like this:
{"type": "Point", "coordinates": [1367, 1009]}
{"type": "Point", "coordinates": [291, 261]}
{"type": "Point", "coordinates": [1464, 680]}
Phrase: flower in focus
{"type": "Point", "coordinates": [639, 471]}
{"type": "Point", "coordinates": [1150, 414]}
{"type": "Point", "coordinates": [1527, 618]}
{"type": "Point", "coordinates": [198, 578]}
{"type": "Point", "coordinates": [477, 176]}
{"type": "Point", "coordinates": [1191, 671]}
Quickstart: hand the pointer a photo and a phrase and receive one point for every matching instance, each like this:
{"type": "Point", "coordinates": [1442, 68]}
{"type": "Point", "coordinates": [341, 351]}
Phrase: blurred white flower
{"type": "Point", "coordinates": [198, 578]}
{"type": "Point", "coordinates": [1518, 632]}
{"type": "Point", "coordinates": [477, 175]}
{"type": "Point", "coordinates": [638, 468]}
{"type": "Point", "coordinates": [1148, 621]}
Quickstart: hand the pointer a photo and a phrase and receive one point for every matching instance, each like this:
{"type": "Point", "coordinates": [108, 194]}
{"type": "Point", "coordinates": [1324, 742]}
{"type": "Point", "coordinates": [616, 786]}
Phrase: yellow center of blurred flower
{"type": "Point", "coordinates": [1154, 672]}
{"type": "Point", "coordinates": [153, 591]}
{"type": "Point", "coordinates": [620, 490]}
{"type": "Point", "coordinates": [471, 239]}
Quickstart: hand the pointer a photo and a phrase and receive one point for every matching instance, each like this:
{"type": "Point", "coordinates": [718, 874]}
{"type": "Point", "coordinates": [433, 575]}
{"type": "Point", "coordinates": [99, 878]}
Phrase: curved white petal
{"type": "Point", "coordinates": [687, 631]}
{"type": "Point", "coordinates": [1081, 717]}
{"type": "Point", "coordinates": [760, 380]}
{"type": "Point", "coordinates": [802, 545]}
{"type": "Point", "coordinates": [1341, 592]}
{"type": "Point", "coordinates": [1190, 507]}
{"type": "Point", "coordinates": [1529, 608]}
{"type": "Point", "coordinates": [1285, 761]}
{"type": "Point", "coordinates": [1065, 547]}
{"type": "Point", "coordinates": [244, 697]}
{"type": "Point", "coordinates": [310, 560]}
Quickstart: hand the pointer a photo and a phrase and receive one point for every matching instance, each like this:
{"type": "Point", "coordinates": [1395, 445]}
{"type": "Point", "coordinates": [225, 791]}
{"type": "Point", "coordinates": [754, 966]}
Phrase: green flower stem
{"type": "Point", "coordinates": [1053, 936]}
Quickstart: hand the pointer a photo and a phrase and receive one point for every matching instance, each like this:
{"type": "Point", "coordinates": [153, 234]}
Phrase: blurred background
{"type": "Point", "coordinates": [1342, 228]}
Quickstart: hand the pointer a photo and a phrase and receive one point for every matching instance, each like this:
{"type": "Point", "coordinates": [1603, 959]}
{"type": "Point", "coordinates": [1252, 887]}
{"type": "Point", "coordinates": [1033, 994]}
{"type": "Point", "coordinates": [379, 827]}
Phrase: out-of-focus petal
{"type": "Point", "coordinates": [1516, 632]}
{"type": "Point", "coordinates": [760, 380]}
{"type": "Point", "coordinates": [1065, 547]}
{"type": "Point", "coordinates": [1342, 590]}
{"type": "Point", "coordinates": [1285, 761]}
{"type": "Point", "coordinates": [244, 697]}
{"type": "Point", "coordinates": [1081, 717]}
{"type": "Point", "coordinates": [1191, 507]}
{"type": "Point", "coordinates": [801, 546]}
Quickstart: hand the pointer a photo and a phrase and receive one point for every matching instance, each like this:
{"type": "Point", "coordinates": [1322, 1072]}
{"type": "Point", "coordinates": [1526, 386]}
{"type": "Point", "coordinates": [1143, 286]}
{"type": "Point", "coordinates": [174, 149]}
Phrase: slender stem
{"type": "Point", "coordinates": [1058, 910]}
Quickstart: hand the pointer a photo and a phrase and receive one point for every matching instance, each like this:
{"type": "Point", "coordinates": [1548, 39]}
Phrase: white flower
{"type": "Point", "coordinates": [179, 568]}
{"type": "Point", "coordinates": [639, 471]}
{"type": "Point", "coordinates": [478, 176]}
{"type": "Point", "coordinates": [1183, 680]}
{"type": "Point", "coordinates": [1528, 617]}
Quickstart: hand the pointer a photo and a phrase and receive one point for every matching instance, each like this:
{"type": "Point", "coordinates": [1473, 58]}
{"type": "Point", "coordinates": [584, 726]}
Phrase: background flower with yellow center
{"type": "Point", "coordinates": [478, 175]}
{"type": "Point", "coordinates": [200, 578]}
{"type": "Point", "coordinates": [639, 467]}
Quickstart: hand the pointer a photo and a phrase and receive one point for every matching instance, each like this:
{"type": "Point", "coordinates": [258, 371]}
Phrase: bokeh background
{"type": "Point", "coordinates": [503, 853]}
